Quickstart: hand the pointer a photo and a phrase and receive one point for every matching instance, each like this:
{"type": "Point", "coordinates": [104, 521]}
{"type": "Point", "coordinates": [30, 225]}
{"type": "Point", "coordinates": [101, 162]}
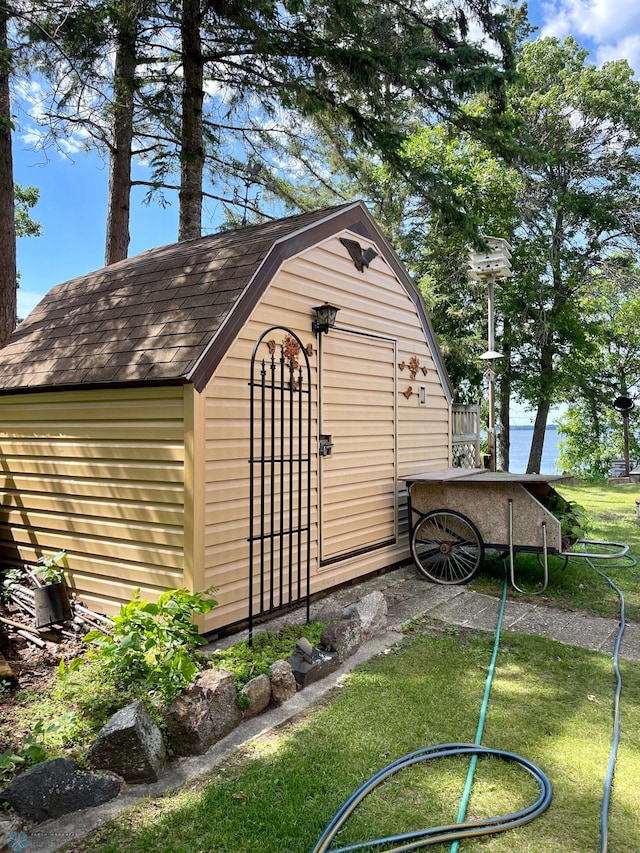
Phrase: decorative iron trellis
{"type": "Point", "coordinates": [280, 481]}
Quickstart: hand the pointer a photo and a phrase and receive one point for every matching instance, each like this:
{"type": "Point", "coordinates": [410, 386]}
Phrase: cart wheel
{"type": "Point", "coordinates": [447, 547]}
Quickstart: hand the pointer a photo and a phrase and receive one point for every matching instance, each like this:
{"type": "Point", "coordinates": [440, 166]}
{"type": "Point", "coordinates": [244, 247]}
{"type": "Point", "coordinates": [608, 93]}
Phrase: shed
{"type": "Point", "coordinates": [173, 420]}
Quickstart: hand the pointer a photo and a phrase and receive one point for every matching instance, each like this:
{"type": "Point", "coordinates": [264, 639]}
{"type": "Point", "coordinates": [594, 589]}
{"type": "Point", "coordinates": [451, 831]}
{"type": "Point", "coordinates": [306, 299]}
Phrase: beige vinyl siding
{"type": "Point", "coordinates": [373, 302]}
{"type": "Point", "coordinates": [101, 474]}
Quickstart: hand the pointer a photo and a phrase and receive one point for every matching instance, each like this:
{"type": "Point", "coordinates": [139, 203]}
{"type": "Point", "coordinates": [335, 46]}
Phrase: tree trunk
{"type": "Point", "coordinates": [504, 445]}
{"type": "Point", "coordinates": [192, 149]}
{"type": "Point", "coordinates": [8, 274]}
{"type": "Point", "coordinates": [504, 415]}
{"type": "Point", "coordinates": [119, 201]}
{"type": "Point", "coordinates": [542, 414]}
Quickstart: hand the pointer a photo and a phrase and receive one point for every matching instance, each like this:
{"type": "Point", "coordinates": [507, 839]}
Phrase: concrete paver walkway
{"type": "Point", "coordinates": [410, 596]}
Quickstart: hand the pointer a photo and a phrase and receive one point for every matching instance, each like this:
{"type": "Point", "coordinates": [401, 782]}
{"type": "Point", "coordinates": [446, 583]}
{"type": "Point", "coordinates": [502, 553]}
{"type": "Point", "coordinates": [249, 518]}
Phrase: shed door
{"type": "Point", "coordinates": [358, 507]}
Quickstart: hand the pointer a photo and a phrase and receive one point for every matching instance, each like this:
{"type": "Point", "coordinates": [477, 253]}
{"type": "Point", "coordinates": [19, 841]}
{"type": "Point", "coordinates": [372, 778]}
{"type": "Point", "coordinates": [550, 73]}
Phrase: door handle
{"type": "Point", "coordinates": [325, 445]}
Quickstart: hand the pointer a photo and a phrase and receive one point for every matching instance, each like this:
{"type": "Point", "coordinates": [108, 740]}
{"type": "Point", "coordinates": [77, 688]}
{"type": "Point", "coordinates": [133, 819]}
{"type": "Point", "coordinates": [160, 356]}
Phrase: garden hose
{"type": "Point", "coordinates": [461, 829]}
{"type": "Point", "coordinates": [467, 829]}
{"type": "Point", "coordinates": [466, 794]}
{"type": "Point", "coordinates": [608, 782]}
{"type": "Point", "coordinates": [437, 835]}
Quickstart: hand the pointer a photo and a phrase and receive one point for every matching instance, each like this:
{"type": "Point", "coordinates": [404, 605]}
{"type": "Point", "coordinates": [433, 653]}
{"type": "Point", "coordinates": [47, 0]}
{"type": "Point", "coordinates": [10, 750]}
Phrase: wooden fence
{"type": "Point", "coordinates": [465, 439]}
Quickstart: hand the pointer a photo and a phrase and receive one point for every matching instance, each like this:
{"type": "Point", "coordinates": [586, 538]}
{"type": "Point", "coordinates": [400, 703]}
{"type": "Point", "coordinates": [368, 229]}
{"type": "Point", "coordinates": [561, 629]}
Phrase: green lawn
{"type": "Point", "coordinates": [550, 703]}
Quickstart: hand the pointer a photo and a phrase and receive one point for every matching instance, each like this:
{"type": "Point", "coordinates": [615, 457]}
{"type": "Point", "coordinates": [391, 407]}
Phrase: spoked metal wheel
{"type": "Point", "coordinates": [447, 547]}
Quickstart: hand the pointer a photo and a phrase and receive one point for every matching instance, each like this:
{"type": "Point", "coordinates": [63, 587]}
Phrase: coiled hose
{"type": "Point", "coordinates": [437, 835]}
{"type": "Point", "coordinates": [461, 829]}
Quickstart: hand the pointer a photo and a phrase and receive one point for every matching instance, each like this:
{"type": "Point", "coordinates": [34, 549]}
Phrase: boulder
{"type": "Point", "coordinates": [131, 745]}
{"type": "Point", "coordinates": [370, 612]}
{"type": "Point", "coordinates": [344, 637]}
{"type": "Point", "coordinates": [258, 693]}
{"type": "Point", "coordinates": [330, 611]}
{"type": "Point", "coordinates": [203, 713]}
{"type": "Point", "coordinates": [310, 664]}
{"type": "Point", "coordinates": [283, 682]}
{"type": "Point", "coordinates": [54, 788]}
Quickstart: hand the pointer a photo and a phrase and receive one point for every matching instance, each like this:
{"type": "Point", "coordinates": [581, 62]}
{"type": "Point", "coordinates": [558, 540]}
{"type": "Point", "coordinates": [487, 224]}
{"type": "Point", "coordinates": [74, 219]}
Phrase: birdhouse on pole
{"type": "Point", "coordinates": [491, 265]}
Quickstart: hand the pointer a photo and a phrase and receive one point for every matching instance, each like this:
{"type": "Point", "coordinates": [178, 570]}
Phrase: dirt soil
{"type": "Point", "coordinates": [34, 668]}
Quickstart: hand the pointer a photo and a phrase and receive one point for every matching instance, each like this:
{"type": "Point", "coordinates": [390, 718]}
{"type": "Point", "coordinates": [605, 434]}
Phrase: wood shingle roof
{"type": "Point", "coordinates": [164, 316]}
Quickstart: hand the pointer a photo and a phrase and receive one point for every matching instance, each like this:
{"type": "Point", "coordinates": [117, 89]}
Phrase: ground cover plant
{"type": "Point", "coordinates": [151, 655]}
{"type": "Point", "coordinates": [549, 703]}
{"type": "Point", "coordinates": [612, 512]}
{"type": "Point", "coordinates": [247, 661]}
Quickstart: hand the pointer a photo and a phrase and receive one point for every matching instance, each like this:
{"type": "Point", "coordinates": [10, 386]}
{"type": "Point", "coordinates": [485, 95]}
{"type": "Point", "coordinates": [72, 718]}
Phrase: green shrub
{"type": "Point", "coordinates": [574, 522]}
{"type": "Point", "coordinates": [152, 645]}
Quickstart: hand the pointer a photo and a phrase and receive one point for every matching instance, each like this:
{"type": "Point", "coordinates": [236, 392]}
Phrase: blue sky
{"type": "Point", "coordinates": [73, 186]}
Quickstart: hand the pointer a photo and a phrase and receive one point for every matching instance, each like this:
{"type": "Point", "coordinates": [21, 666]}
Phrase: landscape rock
{"type": "Point", "coordinates": [283, 682]}
{"type": "Point", "coordinates": [258, 692]}
{"type": "Point", "coordinates": [370, 612]}
{"type": "Point", "coordinates": [330, 611]}
{"type": "Point", "coordinates": [131, 745]}
{"type": "Point", "coordinates": [203, 713]}
{"type": "Point", "coordinates": [310, 664]}
{"type": "Point", "coordinates": [344, 637]}
{"type": "Point", "coordinates": [54, 788]}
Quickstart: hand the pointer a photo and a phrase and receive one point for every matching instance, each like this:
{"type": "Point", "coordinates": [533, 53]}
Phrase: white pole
{"type": "Point", "coordinates": [490, 267]}
{"type": "Point", "coordinates": [491, 429]}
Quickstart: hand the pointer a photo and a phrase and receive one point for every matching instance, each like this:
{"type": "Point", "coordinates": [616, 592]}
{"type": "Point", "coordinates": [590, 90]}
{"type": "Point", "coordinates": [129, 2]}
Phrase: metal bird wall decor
{"type": "Point", "coordinates": [360, 259]}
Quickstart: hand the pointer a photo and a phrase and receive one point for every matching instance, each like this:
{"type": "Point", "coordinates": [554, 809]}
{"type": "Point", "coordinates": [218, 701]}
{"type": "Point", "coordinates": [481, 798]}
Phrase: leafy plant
{"type": "Point", "coordinates": [154, 644]}
{"type": "Point", "coordinates": [246, 662]}
{"type": "Point", "coordinates": [8, 577]}
{"type": "Point", "coordinates": [34, 750]}
{"type": "Point", "coordinates": [9, 763]}
{"type": "Point", "coordinates": [35, 747]}
{"type": "Point", "coordinates": [574, 522]}
{"type": "Point", "coordinates": [53, 567]}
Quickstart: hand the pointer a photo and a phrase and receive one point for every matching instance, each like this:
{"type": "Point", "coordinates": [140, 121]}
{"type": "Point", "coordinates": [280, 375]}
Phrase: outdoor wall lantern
{"type": "Point", "coordinates": [325, 318]}
{"type": "Point", "coordinates": [490, 267]}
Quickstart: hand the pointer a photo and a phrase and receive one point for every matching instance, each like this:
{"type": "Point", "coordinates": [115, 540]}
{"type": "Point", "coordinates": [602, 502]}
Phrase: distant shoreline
{"type": "Point", "coordinates": [530, 426]}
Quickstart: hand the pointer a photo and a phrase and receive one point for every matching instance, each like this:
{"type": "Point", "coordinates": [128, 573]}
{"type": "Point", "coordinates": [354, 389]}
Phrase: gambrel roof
{"type": "Point", "coordinates": [169, 314]}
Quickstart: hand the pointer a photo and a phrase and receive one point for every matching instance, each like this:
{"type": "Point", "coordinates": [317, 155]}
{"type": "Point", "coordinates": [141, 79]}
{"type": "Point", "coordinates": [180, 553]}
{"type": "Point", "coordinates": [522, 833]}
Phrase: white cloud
{"type": "Point", "coordinates": [607, 28]}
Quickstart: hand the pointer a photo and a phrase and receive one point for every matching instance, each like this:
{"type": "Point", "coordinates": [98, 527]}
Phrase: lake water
{"type": "Point", "coordinates": [521, 445]}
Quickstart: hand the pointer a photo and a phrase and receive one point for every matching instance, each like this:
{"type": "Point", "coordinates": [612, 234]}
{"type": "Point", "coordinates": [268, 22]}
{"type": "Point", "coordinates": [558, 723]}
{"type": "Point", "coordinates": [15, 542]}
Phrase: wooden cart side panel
{"type": "Point", "coordinates": [487, 505]}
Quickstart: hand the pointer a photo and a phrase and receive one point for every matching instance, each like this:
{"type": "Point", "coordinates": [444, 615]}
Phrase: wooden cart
{"type": "Point", "coordinates": [457, 514]}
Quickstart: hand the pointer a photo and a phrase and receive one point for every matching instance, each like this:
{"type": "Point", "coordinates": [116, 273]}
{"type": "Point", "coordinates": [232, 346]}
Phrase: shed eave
{"type": "Point", "coordinates": [94, 386]}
